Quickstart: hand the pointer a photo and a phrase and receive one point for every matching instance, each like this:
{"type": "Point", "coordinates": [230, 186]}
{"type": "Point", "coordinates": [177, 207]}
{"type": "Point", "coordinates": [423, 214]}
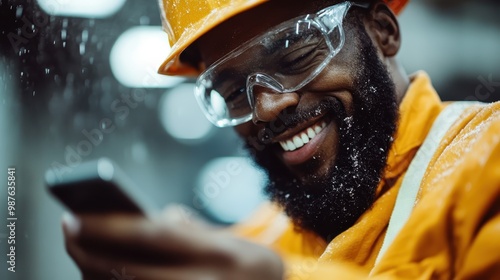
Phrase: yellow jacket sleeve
{"type": "Point", "coordinates": [454, 230]}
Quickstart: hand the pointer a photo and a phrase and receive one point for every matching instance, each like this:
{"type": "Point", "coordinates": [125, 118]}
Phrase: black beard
{"type": "Point", "coordinates": [331, 204]}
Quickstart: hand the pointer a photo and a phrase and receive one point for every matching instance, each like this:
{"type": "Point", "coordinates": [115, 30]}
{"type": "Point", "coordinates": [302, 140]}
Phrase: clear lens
{"type": "Point", "coordinates": [296, 53]}
{"type": "Point", "coordinates": [284, 60]}
{"type": "Point", "coordinates": [220, 110]}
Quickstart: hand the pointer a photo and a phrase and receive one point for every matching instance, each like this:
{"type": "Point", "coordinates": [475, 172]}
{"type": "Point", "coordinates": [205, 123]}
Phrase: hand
{"type": "Point", "coordinates": [124, 247]}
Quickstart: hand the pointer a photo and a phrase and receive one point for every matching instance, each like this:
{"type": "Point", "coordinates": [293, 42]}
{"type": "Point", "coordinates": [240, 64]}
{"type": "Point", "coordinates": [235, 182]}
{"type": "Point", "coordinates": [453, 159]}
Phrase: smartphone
{"type": "Point", "coordinates": [98, 187]}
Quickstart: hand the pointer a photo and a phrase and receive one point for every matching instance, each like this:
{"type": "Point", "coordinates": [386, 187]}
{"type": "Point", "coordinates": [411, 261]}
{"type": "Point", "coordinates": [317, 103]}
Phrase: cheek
{"type": "Point", "coordinates": [341, 71]}
{"type": "Point", "coordinates": [347, 60]}
{"type": "Point", "coordinates": [336, 80]}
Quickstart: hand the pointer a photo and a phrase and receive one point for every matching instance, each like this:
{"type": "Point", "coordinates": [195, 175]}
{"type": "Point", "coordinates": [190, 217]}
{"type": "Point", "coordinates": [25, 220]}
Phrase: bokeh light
{"type": "Point", "coordinates": [136, 55]}
{"type": "Point", "coordinates": [181, 117]}
{"type": "Point", "coordinates": [81, 8]}
{"type": "Point", "coordinates": [229, 189]}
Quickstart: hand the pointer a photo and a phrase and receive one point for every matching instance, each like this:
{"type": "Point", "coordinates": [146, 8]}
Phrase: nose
{"type": "Point", "coordinates": [269, 103]}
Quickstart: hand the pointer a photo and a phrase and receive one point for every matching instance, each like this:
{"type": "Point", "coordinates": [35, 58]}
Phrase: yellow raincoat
{"type": "Point", "coordinates": [453, 231]}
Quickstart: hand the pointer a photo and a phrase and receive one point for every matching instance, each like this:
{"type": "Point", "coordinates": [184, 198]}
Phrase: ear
{"type": "Point", "coordinates": [384, 28]}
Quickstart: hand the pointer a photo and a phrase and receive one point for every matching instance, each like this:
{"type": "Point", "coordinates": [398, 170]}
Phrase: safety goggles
{"type": "Point", "coordinates": [283, 59]}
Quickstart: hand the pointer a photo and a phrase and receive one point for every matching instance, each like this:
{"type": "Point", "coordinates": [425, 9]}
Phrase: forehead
{"type": "Point", "coordinates": [237, 30]}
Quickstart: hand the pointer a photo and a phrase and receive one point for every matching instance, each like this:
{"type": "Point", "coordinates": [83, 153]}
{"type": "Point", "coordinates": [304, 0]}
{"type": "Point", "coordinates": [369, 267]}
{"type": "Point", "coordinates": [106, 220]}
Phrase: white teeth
{"type": "Point", "coordinates": [284, 146]}
{"type": "Point", "coordinates": [299, 140]}
{"type": "Point", "coordinates": [311, 133]}
{"type": "Point", "coordinates": [317, 129]}
{"type": "Point", "coordinates": [304, 138]}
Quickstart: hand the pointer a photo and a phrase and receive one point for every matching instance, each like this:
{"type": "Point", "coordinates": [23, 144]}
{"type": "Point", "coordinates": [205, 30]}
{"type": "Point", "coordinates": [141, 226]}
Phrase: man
{"type": "Point", "coordinates": [379, 178]}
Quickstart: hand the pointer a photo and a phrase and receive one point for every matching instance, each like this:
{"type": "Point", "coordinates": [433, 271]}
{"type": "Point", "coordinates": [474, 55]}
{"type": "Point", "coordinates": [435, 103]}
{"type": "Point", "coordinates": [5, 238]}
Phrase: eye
{"type": "Point", "coordinates": [235, 95]}
{"type": "Point", "coordinates": [231, 89]}
{"type": "Point", "coordinates": [298, 52]}
{"type": "Point", "coordinates": [237, 103]}
{"type": "Point", "coordinates": [299, 59]}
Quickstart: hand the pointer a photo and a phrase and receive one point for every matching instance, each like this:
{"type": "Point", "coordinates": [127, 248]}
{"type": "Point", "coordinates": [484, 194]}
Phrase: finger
{"type": "Point", "coordinates": [71, 227]}
{"type": "Point", "coordinates": [178, 272]}
{"type": "Point", "coordinates": [94, 266]}
{"type": "Point", "coordinates": [128, 231]}
{"type": "Point", "coordinates": [91, 267]}
{"type": "Point", "coordinates": [97, 267]}
{"type": "Point", "coordinates": [111, 247]}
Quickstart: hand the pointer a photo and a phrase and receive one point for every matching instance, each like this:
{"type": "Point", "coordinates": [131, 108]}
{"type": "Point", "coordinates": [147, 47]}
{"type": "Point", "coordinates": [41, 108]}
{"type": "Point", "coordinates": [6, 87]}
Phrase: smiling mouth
{"type": "Point", "coordinates": [302, 138]}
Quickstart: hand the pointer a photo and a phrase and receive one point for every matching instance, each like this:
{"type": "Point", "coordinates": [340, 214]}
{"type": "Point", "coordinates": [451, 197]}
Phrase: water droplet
{"type": "Point", "coordinates": [19, 11]}
{"type": "Point", "coordinates": [47, 70]}
{"type": "Point", "coordinates": [82, 48]}
{"type": "Point", "coordinates": [64, 44]}
{"type": "Point", "coordinates": [85, 35]}
{"type": "Point", "coordinates": [63, 34]}
{"type": "Point", "coordinates": [65, 23]}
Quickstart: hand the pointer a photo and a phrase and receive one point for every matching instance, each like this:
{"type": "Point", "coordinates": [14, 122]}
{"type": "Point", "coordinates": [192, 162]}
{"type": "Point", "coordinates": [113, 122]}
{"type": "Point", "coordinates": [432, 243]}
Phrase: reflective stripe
{"type": "Point", "coordinates": [407, 195]}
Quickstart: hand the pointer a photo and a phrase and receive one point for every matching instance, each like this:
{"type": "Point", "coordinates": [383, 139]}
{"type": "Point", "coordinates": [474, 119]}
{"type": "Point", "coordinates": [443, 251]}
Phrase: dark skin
{"type": "Point", "coordinates": [166, 249]}
{"type": "Point", "coordinates": [336, 80]}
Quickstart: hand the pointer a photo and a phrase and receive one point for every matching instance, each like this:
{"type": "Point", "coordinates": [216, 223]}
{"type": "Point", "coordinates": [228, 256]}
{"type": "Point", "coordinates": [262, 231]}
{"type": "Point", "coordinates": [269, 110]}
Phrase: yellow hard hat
{"type": "Point", "coordinates": [187, 20]}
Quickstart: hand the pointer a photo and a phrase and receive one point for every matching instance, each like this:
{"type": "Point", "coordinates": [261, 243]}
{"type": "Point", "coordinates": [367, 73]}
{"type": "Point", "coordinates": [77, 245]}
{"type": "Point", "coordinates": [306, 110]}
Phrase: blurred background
{"type": "Point", "coordinates": [78, 82]}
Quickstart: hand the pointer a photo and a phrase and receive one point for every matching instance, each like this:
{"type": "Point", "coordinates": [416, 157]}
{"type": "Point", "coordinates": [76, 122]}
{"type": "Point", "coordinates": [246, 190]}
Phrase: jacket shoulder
{"type": "Point", "coordinates": [466, 147]}
{"type": "Point", "coordinates": [457, 206]}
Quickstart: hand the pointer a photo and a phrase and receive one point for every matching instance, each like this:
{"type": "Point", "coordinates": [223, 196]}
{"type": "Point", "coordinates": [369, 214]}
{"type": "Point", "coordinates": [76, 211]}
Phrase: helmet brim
{"type": "Point", "coordinates": [173, 66]}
